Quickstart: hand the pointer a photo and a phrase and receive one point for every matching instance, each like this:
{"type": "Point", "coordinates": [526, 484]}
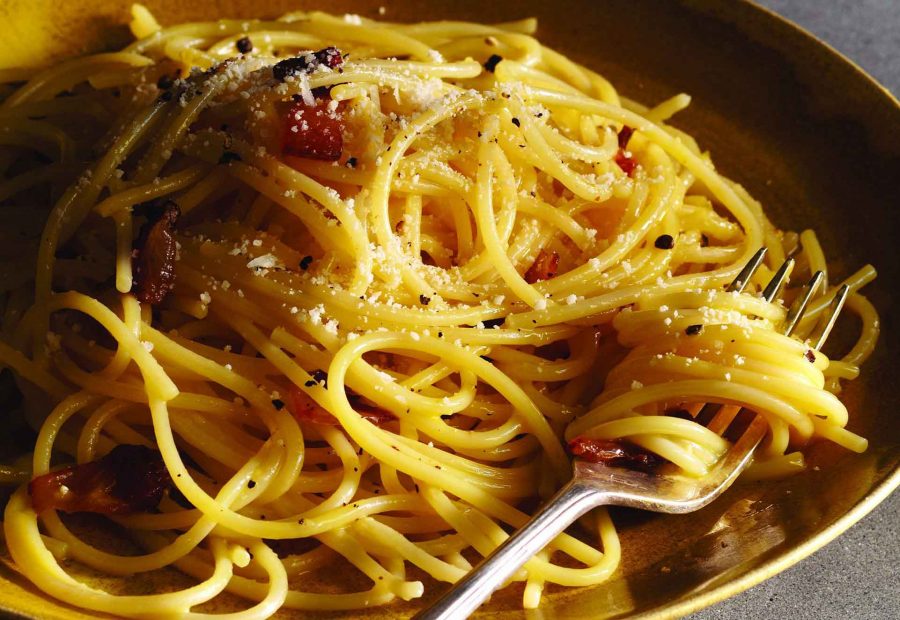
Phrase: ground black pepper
{"type": "Point", "coordinates": [492, 62]}
{"type": "Point", "coordinates": [664, 242]}
{"type": "Point", "coordinates": [244, 45]}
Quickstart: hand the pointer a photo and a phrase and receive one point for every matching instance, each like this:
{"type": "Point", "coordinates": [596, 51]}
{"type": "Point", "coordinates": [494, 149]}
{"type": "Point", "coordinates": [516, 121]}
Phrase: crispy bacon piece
{"type": "Point", "coordinates": [544, 267]}
{"type": "Point", "coordinates": [625, 136]}
{"type": "Point", "coordinates": [615, 453]}
{"type": "Point", "coordinates": [305, 409]}
{"type": "Point", "coordinates": [307, 63]}
{"type": "Point", "coordinates": [627, 164]}
{"type": "Point", "coordinates": [313, 131]}
{"type": "Point", "coordinates": [153, 256]}
{"type": "Point", "coordinates": [128, 479]}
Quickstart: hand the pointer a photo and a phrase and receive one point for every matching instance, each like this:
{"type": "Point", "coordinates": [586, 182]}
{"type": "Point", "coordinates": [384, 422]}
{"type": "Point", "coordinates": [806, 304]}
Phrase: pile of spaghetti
{"type": "Point", "coordinates": [324, 291]}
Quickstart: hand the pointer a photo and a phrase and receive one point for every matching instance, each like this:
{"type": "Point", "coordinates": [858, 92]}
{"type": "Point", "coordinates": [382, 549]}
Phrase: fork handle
{"type": "Point", "coordinates": [569, 503]}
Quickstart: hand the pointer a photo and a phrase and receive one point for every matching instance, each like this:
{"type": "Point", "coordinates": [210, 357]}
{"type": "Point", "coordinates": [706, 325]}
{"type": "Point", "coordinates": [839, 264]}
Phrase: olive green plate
{"type": "Point", "coordinates": [804, 129]}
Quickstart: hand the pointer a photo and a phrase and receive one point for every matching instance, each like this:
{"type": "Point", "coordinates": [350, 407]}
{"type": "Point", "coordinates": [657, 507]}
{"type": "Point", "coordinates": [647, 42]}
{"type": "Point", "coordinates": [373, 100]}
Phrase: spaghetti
{"type": "Point", "coordinates": [358, 284]}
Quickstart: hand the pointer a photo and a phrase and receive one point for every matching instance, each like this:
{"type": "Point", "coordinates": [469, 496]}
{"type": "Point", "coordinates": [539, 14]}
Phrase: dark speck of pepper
{"type": "Point", "coordinates": [664, 242]}
{"type": "Point", "coordinates": [492, 62]}
{"type": "Point", "coordinates": [320, 376]}
{"type": "Point", "coordinates": [693, 330]}
{"type": "Point", "coordinates": [305, 262]}
{"type": "Point", "coordinates": [244, 45]}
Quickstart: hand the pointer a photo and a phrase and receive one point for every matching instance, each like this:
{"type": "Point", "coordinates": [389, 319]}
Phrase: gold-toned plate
{"type": "Point", "coordinates": [805, 130]}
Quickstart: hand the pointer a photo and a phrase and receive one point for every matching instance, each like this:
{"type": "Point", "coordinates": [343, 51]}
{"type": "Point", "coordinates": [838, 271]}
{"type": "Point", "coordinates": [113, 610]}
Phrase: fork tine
{"type": "Point", "coordinates": [778, 280]}
{"type": "Point", "coordinates": [823, 329]}
{"type": "Point", "coordinates": [740, 424]}
{"type": "Point", "coordinates": [743, 278]}
{"type": "Point", "coordinates": [798, 308]}
{"type": "Point", "coordinates": [708, 414]}
{"type": "Point", "coordinates": [738, 457]}
{"type": "Point", "coordinates": [722, 418]}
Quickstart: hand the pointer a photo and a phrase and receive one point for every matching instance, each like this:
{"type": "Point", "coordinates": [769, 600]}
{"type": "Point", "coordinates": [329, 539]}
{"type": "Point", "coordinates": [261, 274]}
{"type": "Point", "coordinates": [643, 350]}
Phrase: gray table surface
{"type": "Point", "coordinates": [855, 576]}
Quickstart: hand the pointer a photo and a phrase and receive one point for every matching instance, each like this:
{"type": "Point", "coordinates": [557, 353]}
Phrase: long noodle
{"type": "Point", "coordinates": [398, 277]}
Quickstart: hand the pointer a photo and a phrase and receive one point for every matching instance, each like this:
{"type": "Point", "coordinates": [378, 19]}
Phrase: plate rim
{"type": "Point", "coordinates": [691, 603]}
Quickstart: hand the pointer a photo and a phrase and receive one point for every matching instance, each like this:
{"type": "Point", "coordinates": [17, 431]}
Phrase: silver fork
{"type": "Point", "coordinates": [594, 484]}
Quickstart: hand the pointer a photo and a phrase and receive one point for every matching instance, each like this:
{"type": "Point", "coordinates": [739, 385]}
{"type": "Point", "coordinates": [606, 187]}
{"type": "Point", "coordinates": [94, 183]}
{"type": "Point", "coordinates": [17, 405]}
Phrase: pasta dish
{"type": "Point", "coordinates": [325, 291]}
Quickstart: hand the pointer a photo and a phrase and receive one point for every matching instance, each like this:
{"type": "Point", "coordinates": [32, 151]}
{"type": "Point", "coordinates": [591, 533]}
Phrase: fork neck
{"type": "Point", "coordinates": [570, 502]}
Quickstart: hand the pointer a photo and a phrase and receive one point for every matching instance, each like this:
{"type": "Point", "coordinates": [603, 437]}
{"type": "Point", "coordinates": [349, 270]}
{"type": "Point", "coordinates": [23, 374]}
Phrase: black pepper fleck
{"type": "Point", "coordinates": [244, 45]}
{"type": "Point", "coordinates": [492, 62]}
{"type": "Point", "coordinates": [664, 242]}
{"type": "Point", "coordinates": [693, 330]}
{"type": "Point", "coordinates": [320, 376]}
